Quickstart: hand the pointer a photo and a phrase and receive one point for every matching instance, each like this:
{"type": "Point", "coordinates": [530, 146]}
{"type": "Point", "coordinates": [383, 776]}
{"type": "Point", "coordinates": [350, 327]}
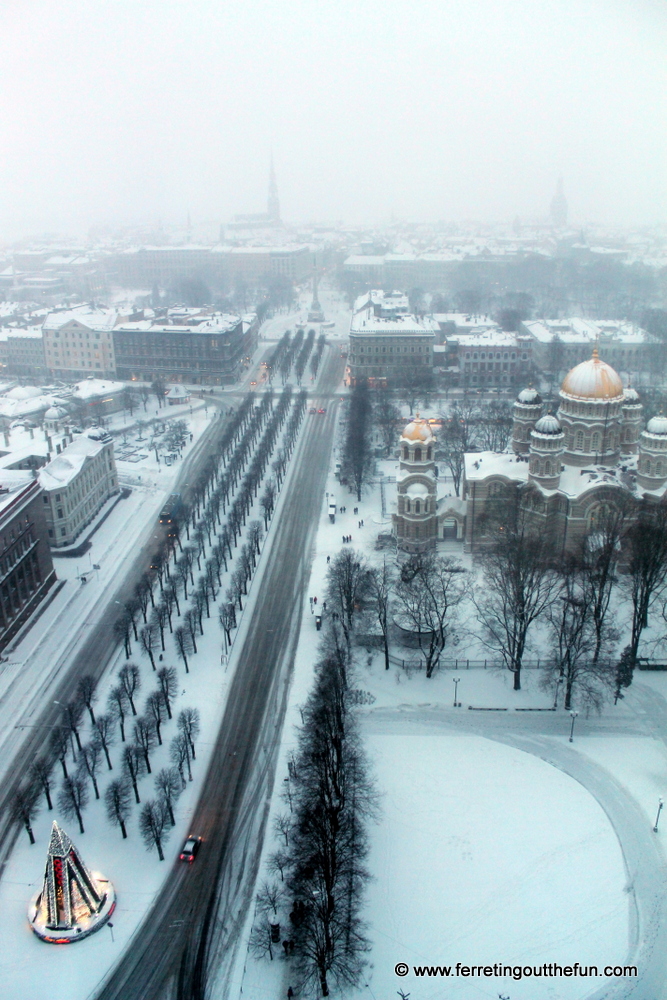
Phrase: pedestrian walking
{"type": "Point", "coordinates": [328, 559]}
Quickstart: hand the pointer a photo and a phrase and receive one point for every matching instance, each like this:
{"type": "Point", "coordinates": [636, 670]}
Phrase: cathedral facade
{"type": "Point", "coordinates": [565, 469]}
{"type": "Point", "coordinates": [568, 468]}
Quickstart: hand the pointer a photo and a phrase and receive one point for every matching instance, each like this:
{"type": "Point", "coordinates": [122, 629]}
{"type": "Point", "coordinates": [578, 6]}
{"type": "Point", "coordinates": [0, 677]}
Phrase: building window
{"type": "Point", "coordinates": [417, 507]}
{"type": "Point", "coordinates": [595, 442]}
{"type": "Point", "coordinates": [579, 440]}
{"type": "Point", "coordinates": [407, 505]}
{"type": "Point", "coordinates": [418, 454]}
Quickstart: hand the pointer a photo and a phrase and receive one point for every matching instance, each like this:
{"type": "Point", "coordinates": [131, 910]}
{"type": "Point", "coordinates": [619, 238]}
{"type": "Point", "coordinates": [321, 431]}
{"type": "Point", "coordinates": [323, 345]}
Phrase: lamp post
{"type": "Point", "coordinates": [573, 716]}
{"type": "Point", "coordinates": [456, 680]}
{"type": "Point", "coordinates": [657, 818]}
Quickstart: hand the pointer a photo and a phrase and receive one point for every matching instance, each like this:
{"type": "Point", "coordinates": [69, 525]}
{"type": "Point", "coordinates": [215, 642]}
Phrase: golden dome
{"type": "Point", "coordinates": [417, 430]}
{"type": "Point", "coordinates": [593, 379]}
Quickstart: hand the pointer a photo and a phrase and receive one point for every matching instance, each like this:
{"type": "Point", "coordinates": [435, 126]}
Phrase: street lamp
{"type": "Point", "coordinates": [456, 680]}
{"type": "Point", "coordinates": [573, 716]}
{"type": "Point", "coordinates": [657, 818]}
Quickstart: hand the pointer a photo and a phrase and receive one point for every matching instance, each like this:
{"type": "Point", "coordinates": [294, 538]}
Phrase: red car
{"type": "Point", "coordinates": [322, 410]}
{"type": "Point", "coordinates": [190, 849]}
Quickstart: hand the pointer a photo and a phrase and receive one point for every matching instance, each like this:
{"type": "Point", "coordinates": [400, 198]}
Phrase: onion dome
{"type": "Point", "coordinates": [631, 396]}
{"type": "Point", "coordinates": [548, 424]}
{"type": "Point", "coordinates": [417, 430]}
{"type": "Point", "coordinates": [657, 425]}
{"type": "Point", "coordinates": [529, 396]}
{"type": "Point", "coordinates": [593, 379]}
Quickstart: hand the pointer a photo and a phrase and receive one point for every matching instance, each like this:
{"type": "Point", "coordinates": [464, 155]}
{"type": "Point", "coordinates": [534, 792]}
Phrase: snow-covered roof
{"type": "Point", "coordinates": [69, 463]}
{"type": "Point", "coordinates": [96, 387]}
{"type": "Point", "coordinates": [93, 319]}
{"type": "Point", "coordinates": [417, 490]}
{"type": "Point", "coordinates": [584, 331]}
{"type": "Point", "coordinates": [481, 465]}
{"type": "Point", "coordinates": [367, 324]}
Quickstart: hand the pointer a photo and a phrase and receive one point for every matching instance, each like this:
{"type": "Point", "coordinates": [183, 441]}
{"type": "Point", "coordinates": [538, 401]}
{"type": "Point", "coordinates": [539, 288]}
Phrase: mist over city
{"type": "Point", "coordinates": [333, 500]}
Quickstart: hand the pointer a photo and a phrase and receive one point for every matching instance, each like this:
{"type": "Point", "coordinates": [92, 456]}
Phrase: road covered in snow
{"type": "Point", "coordinates": [189, 931]}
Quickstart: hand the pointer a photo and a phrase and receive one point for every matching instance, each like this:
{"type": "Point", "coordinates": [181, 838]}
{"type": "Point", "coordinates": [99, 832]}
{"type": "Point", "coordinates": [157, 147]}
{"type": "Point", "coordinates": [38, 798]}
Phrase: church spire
{"type": "Point", "coordinates": [273, 204]}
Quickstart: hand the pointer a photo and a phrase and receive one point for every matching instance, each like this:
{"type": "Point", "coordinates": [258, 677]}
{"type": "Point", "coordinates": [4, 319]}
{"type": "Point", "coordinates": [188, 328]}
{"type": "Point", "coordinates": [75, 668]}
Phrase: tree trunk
{"type": "Point", "coordinates": [122, 828]}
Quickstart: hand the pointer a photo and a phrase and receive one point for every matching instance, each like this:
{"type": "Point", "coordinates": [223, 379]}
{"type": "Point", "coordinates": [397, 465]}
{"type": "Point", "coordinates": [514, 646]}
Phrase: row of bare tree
{"type": "Point", "coordinates": [524, 585]}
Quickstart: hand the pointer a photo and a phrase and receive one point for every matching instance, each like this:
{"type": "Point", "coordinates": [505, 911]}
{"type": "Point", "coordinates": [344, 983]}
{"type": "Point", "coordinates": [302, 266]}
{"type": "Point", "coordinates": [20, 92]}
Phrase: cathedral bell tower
{"type": "Point", "coordinates": [416, 523]}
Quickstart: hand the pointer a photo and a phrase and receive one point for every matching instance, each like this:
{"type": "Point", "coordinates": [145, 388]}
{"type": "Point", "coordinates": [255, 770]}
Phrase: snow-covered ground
{"type": "Point", "coordinates": [484, 853]}
{"type": "Point", "coordinates": [74, 973]}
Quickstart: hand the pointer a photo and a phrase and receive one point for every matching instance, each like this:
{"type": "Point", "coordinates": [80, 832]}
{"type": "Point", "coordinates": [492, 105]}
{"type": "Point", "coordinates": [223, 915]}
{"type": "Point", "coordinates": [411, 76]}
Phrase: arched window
{"type": "Point", "coordinates": [407, 505]}
{"type": "Point", "coordinates": [426, 506]}
{"type": "Point", "coordinates": [595, 441]}
{"type": "Point", "coordinates": [598, 515]}
{"type": "Point", "coordinates": [428, 453]}
{"type": "Point", "coordinates": [659, 468]}
{"type": "Point", "coordinates": [579, 440]}
{"type": "Point", "coordinates": [418, 507]}
{"type": "Point", "coordinates": [406, 453]}
{"type": "Point", "coordinates": [418, 454]}
{"type": "Point", "coordinates": [547, 469]}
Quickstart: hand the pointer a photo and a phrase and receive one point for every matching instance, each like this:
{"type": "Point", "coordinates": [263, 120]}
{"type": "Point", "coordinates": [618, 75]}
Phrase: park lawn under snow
{"type": "Point", "coordinates": [482, 854]}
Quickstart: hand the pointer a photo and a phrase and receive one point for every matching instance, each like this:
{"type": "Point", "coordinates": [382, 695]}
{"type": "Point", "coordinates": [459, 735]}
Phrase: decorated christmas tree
{"type": "Point", "coordinates": [73, 901]}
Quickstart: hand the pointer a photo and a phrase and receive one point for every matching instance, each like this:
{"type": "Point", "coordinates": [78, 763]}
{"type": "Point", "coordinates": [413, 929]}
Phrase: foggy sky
{"type": "Point", "coordinates": [122, 111]}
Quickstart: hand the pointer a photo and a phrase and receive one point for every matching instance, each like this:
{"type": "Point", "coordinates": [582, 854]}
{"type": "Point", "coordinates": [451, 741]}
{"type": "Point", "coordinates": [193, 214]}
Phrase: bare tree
{"type": "Point", "coordinates": [145, 738]}
{"type": "Point", "coordinates": [191, 623]}
{"type": "Point", "coordinates": [90, 759]}
{"type": "Point", "coordinates": [599, 560]}
{"type": "Point", "coordinates": [130, 681]}
{"type": "Point", "coordinates": [188, 723]}
{"type": "Point", "coordinates": [73, 798]}
{"type": "Point", "coordinates": [160, 619]}
{"type": "Point", "coordinates": [386, 416]}
{"type": "Point", "coordinates": [168, 785]}
{"type": "Point", "coordinates": [179, 751]}
{"type": "Point", "coordinates": [72, 713]}
{"type": "Point", "coordinates": [518, 587]}
{"type": "Point", "coordinates": [572, 626]}
{"type": "Point", "coordinates": [347, 582]}
{"type": "Point", "coordinates": [429, 594]}
{"type": "Point", "coordinates": [155, 706]}
{"type": "Point", "coordinates": [278, 863]}
{"type": "Point", "coordinates": [148, 641]}
{"type": "Point", "coordinates": [152, 821]}
{"type": "Point", "coordinates": [283, 826]}
{"type": "Point", "coordinates": [123, 631]}
{"type": "Point", "coordinates": [168, 680]}
{"type": "Point", "coordinates": [118, 705]}
{"type": "Point", "coordinates": [86, 692]}
{"type": "Point", "coordinates": [380, 588]}
{"type": "Point", "coordinates": [646, 578]}
{"type": "Point", "coordinates": [117, 800]}
{"type": "Point", "coordinates": [24, 807]}
{"type": "Point", "coordinates": [59, 745]}
{"type": "Point", "coordinates": [227, 619]}
{"type": "Point", "coordinates": [134, 765]}
{"type": "Point", "coordinates": [104, 734]}
{"type": "Point", "coordinates": [42, 776]}
{"type": "Point", "coordinates": [184, 645]}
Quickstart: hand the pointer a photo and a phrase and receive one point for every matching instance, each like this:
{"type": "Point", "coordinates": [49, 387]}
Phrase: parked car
{"type": "Point", "coordinates": [322, 409]}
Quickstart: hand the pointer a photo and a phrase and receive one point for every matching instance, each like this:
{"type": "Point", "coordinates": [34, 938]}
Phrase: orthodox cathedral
{"type": "Point", "coordinates": [567, 468]}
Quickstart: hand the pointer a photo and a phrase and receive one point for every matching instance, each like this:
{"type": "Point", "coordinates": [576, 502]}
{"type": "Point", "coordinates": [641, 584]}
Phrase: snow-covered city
{"type": "Point", "coordinates": [333, 502]}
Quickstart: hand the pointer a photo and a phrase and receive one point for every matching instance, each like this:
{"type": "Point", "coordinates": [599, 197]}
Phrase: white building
{"type": "Point", "coordinates": [385, 337]}
{"type": "Point", "coordinates": [76, 484]}
{"type": "Point", "coordinates": [79, 342]}
{"type": "Point", "coordinates": [621, 342]}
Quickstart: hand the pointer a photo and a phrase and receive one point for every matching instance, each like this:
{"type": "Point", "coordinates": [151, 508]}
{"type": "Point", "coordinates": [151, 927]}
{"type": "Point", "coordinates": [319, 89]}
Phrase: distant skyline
{"type": "Point", "coordinates": [133, 111]}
